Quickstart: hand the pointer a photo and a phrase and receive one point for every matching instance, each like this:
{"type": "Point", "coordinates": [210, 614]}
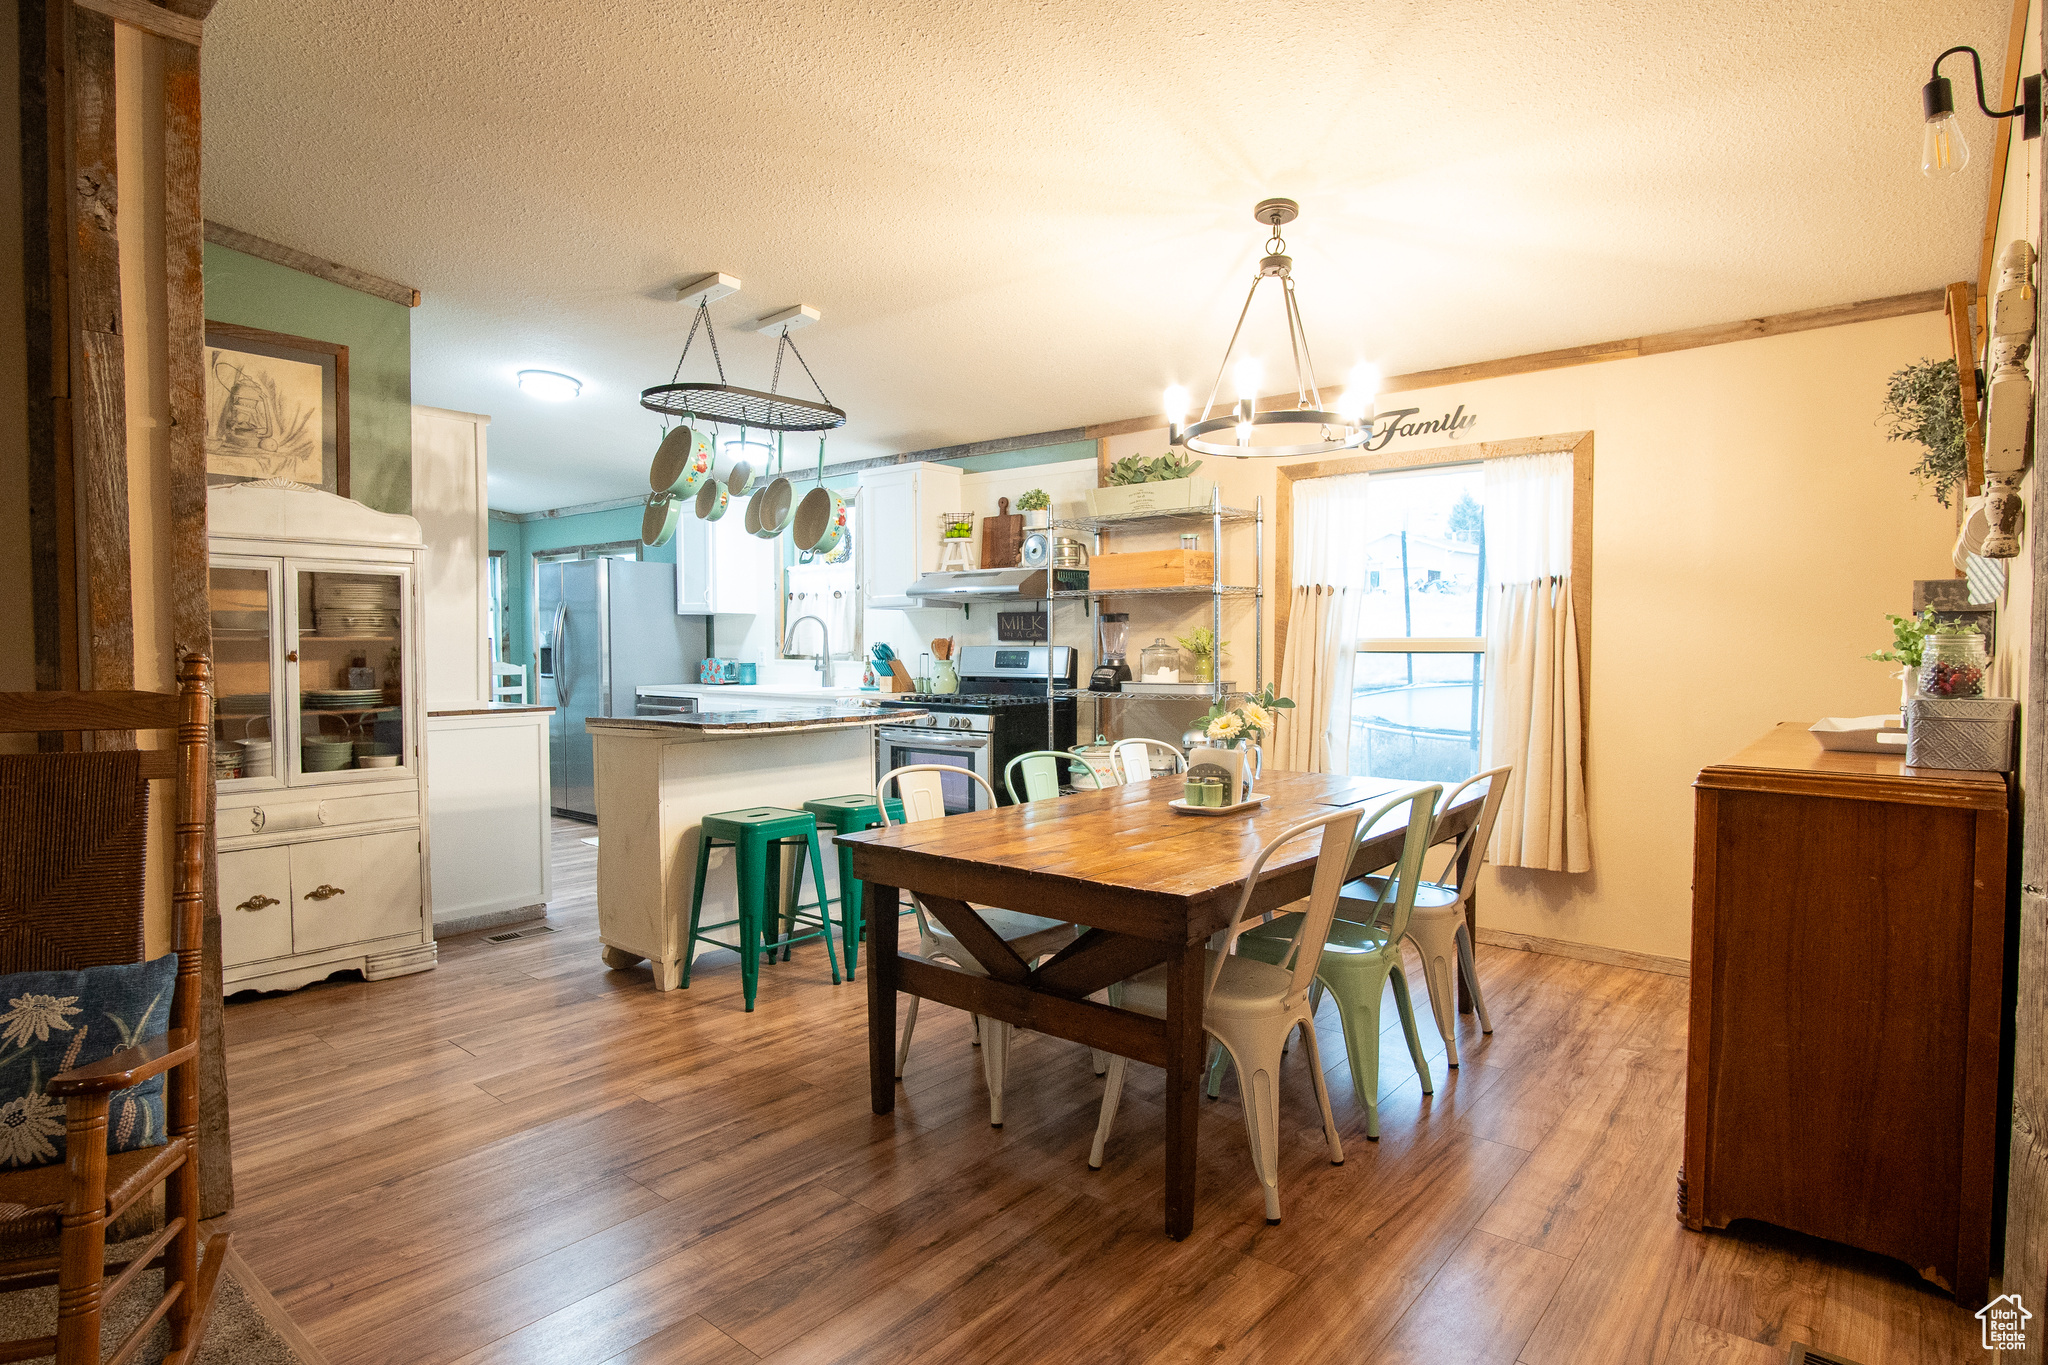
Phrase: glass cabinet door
{"type": "Point", "coordinates": [349, 625]}
{"type": "Point", "coordinates": [243, 600]}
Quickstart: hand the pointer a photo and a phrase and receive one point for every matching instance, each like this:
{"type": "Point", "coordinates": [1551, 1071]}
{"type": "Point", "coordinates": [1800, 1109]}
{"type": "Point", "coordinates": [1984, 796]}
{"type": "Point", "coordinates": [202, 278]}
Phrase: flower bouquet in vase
{"type": "Point", "coordinates": [1232, 754]}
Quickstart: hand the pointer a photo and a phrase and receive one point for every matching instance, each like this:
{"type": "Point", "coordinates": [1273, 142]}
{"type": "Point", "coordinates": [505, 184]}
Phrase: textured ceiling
{"type": "Point", "coordinates": [1018, 217]}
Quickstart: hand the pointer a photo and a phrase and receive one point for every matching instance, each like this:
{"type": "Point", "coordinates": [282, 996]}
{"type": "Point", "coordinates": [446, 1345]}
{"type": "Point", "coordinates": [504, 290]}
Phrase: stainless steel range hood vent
{"type": "Point", "coordinates": [969, 587]}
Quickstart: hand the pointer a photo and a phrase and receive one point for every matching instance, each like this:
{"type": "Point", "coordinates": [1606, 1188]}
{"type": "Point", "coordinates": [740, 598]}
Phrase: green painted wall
{"type": "Point", "coordinates": [378, 333]}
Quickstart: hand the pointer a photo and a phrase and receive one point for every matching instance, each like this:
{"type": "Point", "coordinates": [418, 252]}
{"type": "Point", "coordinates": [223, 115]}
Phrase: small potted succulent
{"type": "Point", "coordinates": [1036, 506]}
{"type": "Point", "coordinates": [1138, 483]}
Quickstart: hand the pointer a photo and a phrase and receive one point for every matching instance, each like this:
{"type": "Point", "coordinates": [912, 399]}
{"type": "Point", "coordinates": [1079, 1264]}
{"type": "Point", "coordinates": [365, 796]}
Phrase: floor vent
{"type": "Point", "coordinates": [510, 934]}
{"type": "Point", "coordinates": [1802, 1354]}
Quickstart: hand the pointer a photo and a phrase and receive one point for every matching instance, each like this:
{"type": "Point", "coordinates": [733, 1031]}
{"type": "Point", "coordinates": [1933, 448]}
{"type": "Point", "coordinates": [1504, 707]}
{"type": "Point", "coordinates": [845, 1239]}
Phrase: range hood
{"type": "Point", "coordinates": [966, 588]}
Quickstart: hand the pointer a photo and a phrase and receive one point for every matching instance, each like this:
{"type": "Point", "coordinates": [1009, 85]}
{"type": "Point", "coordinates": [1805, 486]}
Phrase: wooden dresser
{"type": "Point", "coordinates": [1848, 987]}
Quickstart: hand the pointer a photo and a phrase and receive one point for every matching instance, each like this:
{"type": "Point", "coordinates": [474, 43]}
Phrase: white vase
{"type": "Point", "coordinates": [1909, 686]}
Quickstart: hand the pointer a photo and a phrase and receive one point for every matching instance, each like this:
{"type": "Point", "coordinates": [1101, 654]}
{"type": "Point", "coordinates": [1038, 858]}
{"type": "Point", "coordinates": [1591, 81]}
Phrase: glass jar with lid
{"type": "Point", "coordinates": [1952, 664]}
{"type": "Point", "coordinates": [1159, 662]}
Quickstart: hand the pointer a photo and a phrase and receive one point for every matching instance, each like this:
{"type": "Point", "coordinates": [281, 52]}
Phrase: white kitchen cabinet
{"type": "Point", "coordinates": [721, 570]}
{"type": "Point", "coordinates": [256, 905]}
{"type": "Point", "coordinates": [488, 810]}
{"type": "Point", "coordinates": [317, 642]}
{"type": "Point", "coordinates": [898, 514]}
{"type": "Point", "coordinates": [450, 481]}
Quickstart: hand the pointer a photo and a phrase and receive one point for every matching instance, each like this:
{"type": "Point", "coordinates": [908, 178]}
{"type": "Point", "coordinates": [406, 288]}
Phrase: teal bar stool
{"type": "Point", "coordinates": [850, 815]}
{"type": "Point", "coordinates": [757, 835]}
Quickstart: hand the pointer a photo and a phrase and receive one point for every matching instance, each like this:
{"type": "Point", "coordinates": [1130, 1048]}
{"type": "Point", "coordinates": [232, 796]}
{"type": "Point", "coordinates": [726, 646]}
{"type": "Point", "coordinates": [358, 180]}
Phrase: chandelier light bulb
{"type": "Point", "coordinates": [1360, 389]}
{"type": "Point", "coordinates": [1249, 374]}
{"type": "Point", "coordinates": [1176, 405]}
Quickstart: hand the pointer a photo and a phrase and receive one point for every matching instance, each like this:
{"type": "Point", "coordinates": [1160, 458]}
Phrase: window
{"type": "Point", "coordinates": [500, 618]}
{"type": "Point", "coordinates": [1416, 686]}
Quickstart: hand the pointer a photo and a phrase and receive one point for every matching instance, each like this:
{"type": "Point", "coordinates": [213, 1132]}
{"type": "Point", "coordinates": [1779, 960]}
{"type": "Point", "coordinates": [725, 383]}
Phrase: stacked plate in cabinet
{"type": "Point", "coordinates": [348, 699]}
{"type": "Point", "coordinates": [345, 605]}
{"type": "Point", "coordinates": [326, 755]}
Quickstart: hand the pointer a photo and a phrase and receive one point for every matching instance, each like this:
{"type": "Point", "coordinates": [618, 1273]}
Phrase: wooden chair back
{"type": "Point", "coordinates": [188, 764]}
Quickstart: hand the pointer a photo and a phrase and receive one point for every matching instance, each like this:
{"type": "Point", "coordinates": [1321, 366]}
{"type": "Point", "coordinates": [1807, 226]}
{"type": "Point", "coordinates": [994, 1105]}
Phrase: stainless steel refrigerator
{"type": "Point", "coordinates": [604, 629]}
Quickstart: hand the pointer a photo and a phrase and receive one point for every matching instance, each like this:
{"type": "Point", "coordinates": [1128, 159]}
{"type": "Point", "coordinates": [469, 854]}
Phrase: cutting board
{"type": "Point", "coordinates": [1002, 538]}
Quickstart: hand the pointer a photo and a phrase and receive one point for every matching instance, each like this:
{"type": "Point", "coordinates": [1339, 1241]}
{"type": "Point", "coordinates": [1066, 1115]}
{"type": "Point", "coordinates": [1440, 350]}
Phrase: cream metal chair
{"type": "Point", "coordinates": [1251, 1007]}
{"type": "Point", "coordinates": [1131, 759]}
{"type": "Point", "coordinates": [1437, 927]}
{"type": "Point", "coordinates": [919, 787]}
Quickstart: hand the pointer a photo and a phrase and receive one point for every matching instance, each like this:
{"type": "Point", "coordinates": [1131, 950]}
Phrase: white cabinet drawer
{"type": "Point", "coordinates": [255, 905]}
{"type": "Point", "coordinates": [353, 890]}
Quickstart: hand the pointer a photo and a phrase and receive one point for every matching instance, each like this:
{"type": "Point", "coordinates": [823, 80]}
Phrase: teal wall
{"type": "Point", "coordinates": [252, 292]}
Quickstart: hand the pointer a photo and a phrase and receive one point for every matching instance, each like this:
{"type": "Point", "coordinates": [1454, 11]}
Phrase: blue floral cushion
{"type": "Point", "coordinates": [54, 1021]}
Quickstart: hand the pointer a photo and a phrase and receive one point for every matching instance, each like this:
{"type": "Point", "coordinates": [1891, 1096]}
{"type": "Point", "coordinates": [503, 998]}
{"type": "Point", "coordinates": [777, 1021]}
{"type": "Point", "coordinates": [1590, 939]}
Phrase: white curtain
{"type": "Point", "coordinates": [1322, 625]}
{"type": "Point", "coordinates": [1532, 665]}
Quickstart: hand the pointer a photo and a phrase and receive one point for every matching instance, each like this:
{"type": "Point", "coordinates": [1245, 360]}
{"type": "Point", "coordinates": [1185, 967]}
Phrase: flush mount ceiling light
{"type": "Point", "coordinates": [1347, 427]}
{"type": "Point", "coordinates": [1942, 148]}
{"type": "Point", "coordinates": [549, 384]}
{"type": "Point", "coordinates": [723, 402]}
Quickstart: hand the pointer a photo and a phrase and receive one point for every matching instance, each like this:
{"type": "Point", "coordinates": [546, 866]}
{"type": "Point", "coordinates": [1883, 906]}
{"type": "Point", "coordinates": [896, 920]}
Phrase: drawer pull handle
{"type": "Point", "coordinates": [324, 892]}
{"type": "Point", "coordinates": [258, 902]}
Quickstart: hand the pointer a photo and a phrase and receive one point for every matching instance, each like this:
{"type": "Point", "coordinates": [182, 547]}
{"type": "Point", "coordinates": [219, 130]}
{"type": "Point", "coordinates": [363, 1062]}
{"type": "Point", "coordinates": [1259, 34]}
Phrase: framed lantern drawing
{"type": "Point", "coordinates": [276, 408]}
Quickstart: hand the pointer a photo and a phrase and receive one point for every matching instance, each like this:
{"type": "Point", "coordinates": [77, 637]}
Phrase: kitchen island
{"type": "Point", "coordinates": [657, 777]}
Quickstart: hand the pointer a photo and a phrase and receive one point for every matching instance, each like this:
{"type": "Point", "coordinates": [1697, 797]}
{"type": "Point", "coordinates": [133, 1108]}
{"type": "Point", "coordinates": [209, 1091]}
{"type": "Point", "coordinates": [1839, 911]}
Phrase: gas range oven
{"type": "Point", "coordinates": [998, 713]}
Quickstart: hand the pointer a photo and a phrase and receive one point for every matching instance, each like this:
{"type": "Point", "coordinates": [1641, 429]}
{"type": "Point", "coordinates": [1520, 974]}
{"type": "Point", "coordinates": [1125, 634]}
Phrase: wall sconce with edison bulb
{"type": "Point", "coordinates": [1943, 150]}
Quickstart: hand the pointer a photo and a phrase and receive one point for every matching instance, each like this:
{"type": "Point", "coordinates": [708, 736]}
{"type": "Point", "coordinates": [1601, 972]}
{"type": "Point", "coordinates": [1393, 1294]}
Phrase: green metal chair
{"type": "Point", "coordinates": [1041, 770]}
{"type": "Point", "coordinates": [850, 815]}
{"type": "Point", "coordinates": [756, 835]}
{"type": "Point", "coordinates": [1360, 955]}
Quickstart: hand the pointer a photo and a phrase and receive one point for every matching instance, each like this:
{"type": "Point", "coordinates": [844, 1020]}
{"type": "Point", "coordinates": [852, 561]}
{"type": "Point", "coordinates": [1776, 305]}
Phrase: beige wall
{"type": "Point", "coordinates": [1751, 527]}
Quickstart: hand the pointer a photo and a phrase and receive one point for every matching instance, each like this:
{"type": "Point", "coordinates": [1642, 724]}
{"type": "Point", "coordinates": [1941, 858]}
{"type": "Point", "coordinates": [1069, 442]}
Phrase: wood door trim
{"type": "Point", "coordinates": [164, 23]}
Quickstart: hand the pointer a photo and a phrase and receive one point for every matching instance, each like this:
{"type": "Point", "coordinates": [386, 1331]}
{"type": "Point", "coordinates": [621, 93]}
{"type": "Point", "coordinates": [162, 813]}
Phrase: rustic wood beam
{"type": "Point", "coordinates": [99, 403]}
{"type": "Point", "coordinates": [190, 607]}
{"type": "Point", "coordinates": [1962, 337]}
{"type": "Point", "coordinates": [249, 244]}
{"type": "Point", "coordinates": [1661, 343]}
{"type": "Point", "coordinates": [2015, 41]}
{"type": "Point", "coordinates": [164, 23]}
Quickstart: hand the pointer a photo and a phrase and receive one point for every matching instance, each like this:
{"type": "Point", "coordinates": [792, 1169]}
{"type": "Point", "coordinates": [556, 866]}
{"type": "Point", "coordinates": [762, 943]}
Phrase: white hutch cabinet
{"type": "Point", "coordinates": [319, 759]}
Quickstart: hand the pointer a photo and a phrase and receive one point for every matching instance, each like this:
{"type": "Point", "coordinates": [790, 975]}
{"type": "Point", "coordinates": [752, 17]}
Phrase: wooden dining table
{"type": "Point", "coordinates": [1150, 884]}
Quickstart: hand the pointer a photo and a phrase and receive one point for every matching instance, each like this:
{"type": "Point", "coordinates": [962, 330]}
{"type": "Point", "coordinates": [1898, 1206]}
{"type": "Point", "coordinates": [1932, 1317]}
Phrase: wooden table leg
{"type": "Point", "coordinates": [1184, 1057]}
{"type": "Point", "coordinates": [881, 913]}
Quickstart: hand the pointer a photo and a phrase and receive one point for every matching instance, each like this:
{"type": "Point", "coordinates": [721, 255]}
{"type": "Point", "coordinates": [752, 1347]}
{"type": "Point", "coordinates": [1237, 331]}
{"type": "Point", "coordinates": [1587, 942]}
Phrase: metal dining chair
{"type": "Point", "coordinates": [1250, 1005]}
{"type": "Point", "coordinates": [920, 788]}
{"type": "Point", "coordinates": [1438, 927]}
{"type": "Point", "coordinates": [1040, 770]}
{"type": "Point", "coordinates": [1131, 759]}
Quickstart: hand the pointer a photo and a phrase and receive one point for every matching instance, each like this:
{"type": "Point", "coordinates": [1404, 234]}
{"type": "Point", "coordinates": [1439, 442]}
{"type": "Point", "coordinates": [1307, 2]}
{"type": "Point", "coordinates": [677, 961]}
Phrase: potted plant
{"type": "Point", "coordinates": [1036, 506]}
{"type": "Point", "coordinates": [1923, 403]}
{"type": "Point", "coordinates": [1233, 731]}
{"type": "Point", "coordinates": [1201, 646]}
{"type": "Point", "coordinates": [1137, 483]}
{"type": "Point", "coordinates": [1909, 648]}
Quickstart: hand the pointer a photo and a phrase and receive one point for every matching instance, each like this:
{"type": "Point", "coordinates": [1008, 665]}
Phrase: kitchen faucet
{"type": "Point", "coordinates": [824, 652]}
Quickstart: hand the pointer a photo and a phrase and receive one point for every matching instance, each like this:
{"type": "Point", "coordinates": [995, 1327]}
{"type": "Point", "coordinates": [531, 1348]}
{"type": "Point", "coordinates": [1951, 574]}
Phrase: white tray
{"type": "Point", "coordinates": [1181, 807]}
{"type": "Point", "coordinates": [1861, 734]}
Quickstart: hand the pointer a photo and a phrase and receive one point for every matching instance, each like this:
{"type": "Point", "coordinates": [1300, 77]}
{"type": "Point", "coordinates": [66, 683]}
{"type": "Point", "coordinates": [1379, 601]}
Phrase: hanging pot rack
{"type": "Point", "coordinates": [742, 407]}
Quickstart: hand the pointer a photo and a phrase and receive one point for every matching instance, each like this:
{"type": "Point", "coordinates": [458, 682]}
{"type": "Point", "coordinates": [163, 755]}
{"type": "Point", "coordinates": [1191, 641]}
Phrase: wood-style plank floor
{"type": "Point", "coordinates": [522, 1156]}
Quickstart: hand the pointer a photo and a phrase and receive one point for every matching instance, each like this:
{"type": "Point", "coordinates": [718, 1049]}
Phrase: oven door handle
{"type": "Point", "coordinates": [931, 739]}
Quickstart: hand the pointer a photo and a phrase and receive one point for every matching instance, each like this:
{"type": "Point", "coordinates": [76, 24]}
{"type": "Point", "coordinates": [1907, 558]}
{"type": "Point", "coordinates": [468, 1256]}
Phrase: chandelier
{"type": "Point", "coordinates": [1346, 427]}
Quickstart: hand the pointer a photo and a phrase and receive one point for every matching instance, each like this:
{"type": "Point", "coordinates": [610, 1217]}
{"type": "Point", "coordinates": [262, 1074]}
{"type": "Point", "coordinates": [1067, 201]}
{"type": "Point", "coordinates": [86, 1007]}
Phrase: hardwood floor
{"type": "Point", "coordinates": [522, 1156]}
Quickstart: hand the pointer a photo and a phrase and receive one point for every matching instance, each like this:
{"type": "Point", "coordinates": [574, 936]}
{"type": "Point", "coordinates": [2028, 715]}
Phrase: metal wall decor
{"type": "Point", "coordinates": [1347, 427]}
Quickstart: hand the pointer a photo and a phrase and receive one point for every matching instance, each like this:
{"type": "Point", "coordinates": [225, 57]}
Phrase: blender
{"type": "Point", "coordinates": [1112, 629]}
